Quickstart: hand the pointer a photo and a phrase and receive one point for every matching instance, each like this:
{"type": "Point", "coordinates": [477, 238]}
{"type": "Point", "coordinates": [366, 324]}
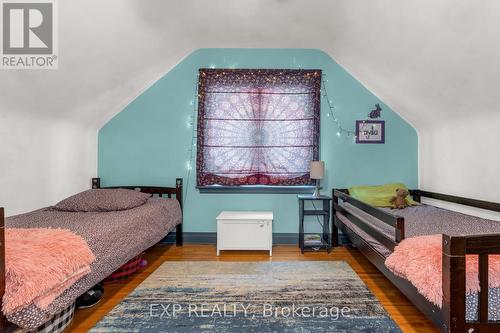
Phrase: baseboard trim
{"type": "Point", "coordinates": [343, 239]}
{"type": "Point", "coordinates": [192, 237]}
{"type": "Point", "coordinates": [285, 238]}
{"type": "Point", "coordinates": [211, 238]}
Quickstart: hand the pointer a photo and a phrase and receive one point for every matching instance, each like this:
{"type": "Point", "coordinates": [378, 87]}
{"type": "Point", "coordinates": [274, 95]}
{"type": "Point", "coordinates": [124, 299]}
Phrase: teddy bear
{"type": "Point", "coordinates": [399, 201]}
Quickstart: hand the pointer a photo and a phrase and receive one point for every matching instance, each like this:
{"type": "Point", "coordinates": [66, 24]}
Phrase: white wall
{"type": "Point", "coordinates": [433, 61]}
{"type": "Point", "coordinates": [43, 160]}
{"type": "Point", "coordinates": [462, 157]}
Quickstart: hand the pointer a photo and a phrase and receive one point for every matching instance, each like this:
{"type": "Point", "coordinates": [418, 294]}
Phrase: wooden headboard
{"type": "Point", "coordinates": [160, 191]}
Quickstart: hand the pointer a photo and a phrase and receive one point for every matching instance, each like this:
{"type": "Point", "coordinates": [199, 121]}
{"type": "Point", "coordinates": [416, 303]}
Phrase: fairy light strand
{"type": "Point", "coordinates": [331, 114]}
{"type": "Point", "coordinates": [192, 150]}
{"type": "Point", "coordinates": [193, 120]}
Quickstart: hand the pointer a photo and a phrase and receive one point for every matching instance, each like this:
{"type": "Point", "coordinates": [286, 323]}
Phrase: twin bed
{"type": "Point", "coordinates": [438, 258]}
{"type": "Point", "coordinates": [114, 237]}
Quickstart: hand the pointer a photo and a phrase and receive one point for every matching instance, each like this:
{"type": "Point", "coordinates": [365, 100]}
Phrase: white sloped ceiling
{"type": "Point", "coordinates": [427, 59]}
{"type": "Point", "coordinates": [430, 60]}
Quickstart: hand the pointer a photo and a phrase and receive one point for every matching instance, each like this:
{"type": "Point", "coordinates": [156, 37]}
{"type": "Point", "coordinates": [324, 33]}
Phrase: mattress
{"type": "Point", "coordinates": [429, 220]}
{"type": "Point", "coordinates": [114, 238]}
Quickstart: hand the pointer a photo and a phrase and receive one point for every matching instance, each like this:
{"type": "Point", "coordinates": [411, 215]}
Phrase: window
{"type": "Point", "coordinates": [257, 127]}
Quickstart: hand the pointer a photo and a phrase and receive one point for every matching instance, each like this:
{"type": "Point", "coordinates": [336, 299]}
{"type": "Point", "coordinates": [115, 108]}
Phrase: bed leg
{"type": "Point", "coordinates": [454, 284]}
{"type": "Point", "coordinates": [3, 323]}
{"type": "Point", "coordinates": [416, 195]}
{"type": "Point", "coordinates": [96, 183]}
{"type": "Point", "coordinates": [178, 195]}
{"type": "Point", "coordinates": [178, 235]}
{"type": "Point", "coordinates": [335, 230]}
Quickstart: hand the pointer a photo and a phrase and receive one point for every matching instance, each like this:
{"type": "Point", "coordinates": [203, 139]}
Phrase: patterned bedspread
{"type": "Point", "coordinates": [113, 237]}
{"type": "Point", "coordinates": [428, 220]}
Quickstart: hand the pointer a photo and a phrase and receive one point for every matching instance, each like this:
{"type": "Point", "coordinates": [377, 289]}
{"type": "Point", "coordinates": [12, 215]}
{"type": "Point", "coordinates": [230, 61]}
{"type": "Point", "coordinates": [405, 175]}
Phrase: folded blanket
{"type": "Point", "coordinates": [41, 264]}
{"type": "Point", "coordinates": [419, 260]}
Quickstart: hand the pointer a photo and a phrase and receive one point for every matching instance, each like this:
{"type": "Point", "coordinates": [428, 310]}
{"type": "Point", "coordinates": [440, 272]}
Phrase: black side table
{"type": "Point", "coordinates": [325, 241]}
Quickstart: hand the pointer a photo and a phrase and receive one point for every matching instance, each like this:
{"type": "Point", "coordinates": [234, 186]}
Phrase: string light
{"type": "Point", "coordinates": [192, 148]}
{"type": "Point", "coordinates": [331, 113]}
{"type": "Point", "coordinates": [192, 120]}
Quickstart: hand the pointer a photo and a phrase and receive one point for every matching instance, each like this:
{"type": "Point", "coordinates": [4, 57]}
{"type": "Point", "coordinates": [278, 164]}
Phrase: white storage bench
{"type": "Point", "coordinates": [245, 231]}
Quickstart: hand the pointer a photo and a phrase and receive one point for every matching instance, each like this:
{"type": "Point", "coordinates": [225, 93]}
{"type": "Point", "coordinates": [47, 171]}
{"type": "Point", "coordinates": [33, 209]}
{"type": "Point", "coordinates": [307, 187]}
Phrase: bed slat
{"type": "Point", "coordinates": [383, 239]}
{"type": "Point", "coordinates": [373, 211]}
{"type": "Point", "coordinates": [453, 279]}
{"type": "Point", "coordinates": [395, 221]}
{"type": "Point", "coordinates": [483, 287]}
{"type": "Point", "coordinates": [483, 244]}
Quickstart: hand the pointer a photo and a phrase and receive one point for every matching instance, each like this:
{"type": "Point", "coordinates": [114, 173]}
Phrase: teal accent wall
{"type": "Point", "coordinates": [148, 142]}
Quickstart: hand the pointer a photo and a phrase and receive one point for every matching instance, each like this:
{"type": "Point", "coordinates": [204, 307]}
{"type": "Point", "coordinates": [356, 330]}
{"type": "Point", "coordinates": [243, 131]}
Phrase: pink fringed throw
{"type": "Point", "coordinates": [419, 260]}
{"type": "Point", "coordinates": [41, 264]}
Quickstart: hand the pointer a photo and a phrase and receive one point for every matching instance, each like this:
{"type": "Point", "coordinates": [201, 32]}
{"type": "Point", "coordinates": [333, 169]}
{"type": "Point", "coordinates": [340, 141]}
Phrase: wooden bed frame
{"type": "Point", "coordinates": [160, 191]}
{"type": "Point", "coordinates": [6, 326]}
{"type": "Point", "coordinates": [451, 317]}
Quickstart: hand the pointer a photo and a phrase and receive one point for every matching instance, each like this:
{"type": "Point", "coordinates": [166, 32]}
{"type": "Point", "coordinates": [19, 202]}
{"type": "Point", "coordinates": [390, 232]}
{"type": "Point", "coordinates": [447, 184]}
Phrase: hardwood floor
{"type": "Point", "coordinates": [409, 318]}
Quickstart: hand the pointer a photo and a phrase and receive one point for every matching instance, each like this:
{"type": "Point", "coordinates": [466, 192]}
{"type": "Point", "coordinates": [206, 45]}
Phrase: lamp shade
{"type": "Point", "coordinates": [317, 169]}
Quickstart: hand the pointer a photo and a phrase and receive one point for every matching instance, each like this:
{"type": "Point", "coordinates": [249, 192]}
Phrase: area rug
{"type": "Point", "coordinates": [223, 297]}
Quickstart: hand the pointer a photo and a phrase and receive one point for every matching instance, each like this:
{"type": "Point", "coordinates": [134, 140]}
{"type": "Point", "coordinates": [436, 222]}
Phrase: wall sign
{"type": "Point", "coordinates": [370, 131]}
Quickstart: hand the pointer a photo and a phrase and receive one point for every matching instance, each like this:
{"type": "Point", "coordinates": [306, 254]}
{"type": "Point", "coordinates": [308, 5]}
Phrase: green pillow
{"type": "Point", "coordinates": [378, 195]}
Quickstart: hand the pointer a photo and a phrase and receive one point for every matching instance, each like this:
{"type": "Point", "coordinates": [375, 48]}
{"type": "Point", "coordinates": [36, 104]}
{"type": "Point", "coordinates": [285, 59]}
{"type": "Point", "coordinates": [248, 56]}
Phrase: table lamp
{"type": "Point", "coordinates": [317, 172]}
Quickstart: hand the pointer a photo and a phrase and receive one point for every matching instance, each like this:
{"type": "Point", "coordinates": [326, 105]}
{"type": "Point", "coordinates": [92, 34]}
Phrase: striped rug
{"type": "Point", "coordinates": [223, 297]}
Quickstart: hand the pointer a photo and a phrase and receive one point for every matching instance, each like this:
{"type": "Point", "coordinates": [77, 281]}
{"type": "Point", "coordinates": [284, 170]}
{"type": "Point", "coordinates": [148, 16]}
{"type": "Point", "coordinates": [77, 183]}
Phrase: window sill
{"type": "Point", "coordinates": [257, 189]}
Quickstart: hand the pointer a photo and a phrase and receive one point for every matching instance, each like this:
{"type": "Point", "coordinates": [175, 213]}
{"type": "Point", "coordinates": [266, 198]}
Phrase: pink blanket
{"type": "Point", "coordinates": [41, 264]}
{"type": "Point", "coordinates": [419, 260]}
